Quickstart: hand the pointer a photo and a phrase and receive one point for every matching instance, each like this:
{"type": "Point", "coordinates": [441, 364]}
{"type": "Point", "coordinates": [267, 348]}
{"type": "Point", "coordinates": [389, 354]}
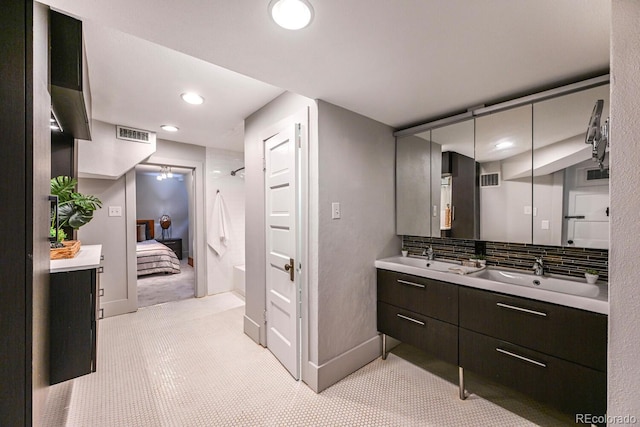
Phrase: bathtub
{"type": "Point", "coordinates": [238, 279]}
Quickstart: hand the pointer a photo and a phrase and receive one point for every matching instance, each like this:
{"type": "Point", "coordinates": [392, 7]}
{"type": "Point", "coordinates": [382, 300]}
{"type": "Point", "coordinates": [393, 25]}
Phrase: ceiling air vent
{"type": "Point", "coordinates": [490, 180]}
{"type": "Point", "coordinates": [137, 135]}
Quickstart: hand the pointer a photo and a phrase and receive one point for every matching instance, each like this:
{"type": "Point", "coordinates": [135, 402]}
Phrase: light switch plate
{"type": "Point", "coordinates": [544, 225]}
{"type": "Point", "coordinates": [527, 210]}
{"type": "Point", "coordinates": [115, 210]}
{"type": "Point", "coordinates": [335, 210]}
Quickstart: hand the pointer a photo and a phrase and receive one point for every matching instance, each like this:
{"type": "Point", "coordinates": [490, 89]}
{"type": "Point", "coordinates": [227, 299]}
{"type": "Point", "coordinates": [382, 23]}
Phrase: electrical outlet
{"type": "Point", "coordinates": [335, 210]}
{"type": "Point", "coordinates": [115, 210]}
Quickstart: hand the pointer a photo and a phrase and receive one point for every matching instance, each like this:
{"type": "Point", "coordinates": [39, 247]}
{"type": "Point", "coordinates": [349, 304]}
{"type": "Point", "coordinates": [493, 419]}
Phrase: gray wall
{"type": "Point", "coordinates": [156, 198]}
{"type": "Point", "coordinates": [624, 297]}
{"type": "Point", "coordinates": [356, 165]}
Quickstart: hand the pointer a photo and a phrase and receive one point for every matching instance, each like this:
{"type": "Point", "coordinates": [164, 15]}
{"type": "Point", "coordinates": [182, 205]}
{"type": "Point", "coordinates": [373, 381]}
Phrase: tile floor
{"type": "Point", "coordinates": [187, 363]}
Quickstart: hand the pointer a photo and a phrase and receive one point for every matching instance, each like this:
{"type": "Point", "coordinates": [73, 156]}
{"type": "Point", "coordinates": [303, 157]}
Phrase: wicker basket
{"type": "Point", "coordinates": [70, 249]}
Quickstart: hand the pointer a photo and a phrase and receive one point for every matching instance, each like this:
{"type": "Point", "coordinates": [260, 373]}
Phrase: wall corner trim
{"type": "Point", "coordinates": [252, 329]}
{"type": "Point", "coordinates": [323, 376]}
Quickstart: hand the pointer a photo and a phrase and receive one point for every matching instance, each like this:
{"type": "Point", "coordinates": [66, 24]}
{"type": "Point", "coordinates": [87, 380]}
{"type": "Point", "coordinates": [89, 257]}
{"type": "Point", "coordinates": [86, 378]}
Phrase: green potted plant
{"type": "Point", "coordinates": [74, 209]}
{"type": "Point", "coordinates": [591, 275]}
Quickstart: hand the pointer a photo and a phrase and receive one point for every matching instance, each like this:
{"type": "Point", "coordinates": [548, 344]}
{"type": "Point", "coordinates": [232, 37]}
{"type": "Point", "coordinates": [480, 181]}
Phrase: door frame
{"type": "Point", "coordinates": [199, 244]}
{"type": "Point", "coordinates": [302, 224]}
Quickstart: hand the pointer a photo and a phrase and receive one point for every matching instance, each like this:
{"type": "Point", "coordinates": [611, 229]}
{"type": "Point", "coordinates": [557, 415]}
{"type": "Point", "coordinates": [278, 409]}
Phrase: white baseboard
{"type": "Point", "coordinates": [252, 329]}
{"type": "Point", "coordinates": [320, 377]}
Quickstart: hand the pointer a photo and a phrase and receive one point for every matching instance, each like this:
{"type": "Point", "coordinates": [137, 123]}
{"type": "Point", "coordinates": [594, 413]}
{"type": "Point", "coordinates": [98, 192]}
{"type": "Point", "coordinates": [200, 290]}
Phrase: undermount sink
{"type": "Point", "coordinates": [424, 263]}
{"type": "Point", "coordinates": [572, 286]}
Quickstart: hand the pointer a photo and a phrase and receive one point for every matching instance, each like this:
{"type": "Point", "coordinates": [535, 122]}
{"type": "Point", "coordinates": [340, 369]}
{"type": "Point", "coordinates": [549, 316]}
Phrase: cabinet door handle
{"type": "Point", "coordinates": [410, 319]}
{"type": "Point", "coordinates": [517, 356]}
{"type": "Point", "coordinates": [524, 310]}
{"type": "Point", "coordinates": [289, 268]}
{"type": "Point", "coordinates": [417, 285]}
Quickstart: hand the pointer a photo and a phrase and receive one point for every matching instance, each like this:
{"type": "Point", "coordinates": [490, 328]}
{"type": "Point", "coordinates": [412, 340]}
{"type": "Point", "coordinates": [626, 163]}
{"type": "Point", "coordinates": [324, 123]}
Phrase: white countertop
{"type": "Point", "coordinates": [596, 304]}
{"type": "Point", "coordinates": [88, 257]}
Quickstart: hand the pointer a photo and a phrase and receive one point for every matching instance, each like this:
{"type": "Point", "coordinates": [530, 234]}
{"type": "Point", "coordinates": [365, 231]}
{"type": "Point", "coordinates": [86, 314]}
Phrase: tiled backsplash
{"type": "Point", "coordinates": [568, 260]}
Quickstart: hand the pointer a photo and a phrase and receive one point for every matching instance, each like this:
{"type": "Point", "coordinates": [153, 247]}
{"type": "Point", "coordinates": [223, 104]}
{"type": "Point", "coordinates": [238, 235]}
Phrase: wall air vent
{"type": "Point", "coordinates": [597, 174]}
{"type": "Point", "coordinates": [137, 135]}
{"type": "Point", "coordinates": [490, 180]}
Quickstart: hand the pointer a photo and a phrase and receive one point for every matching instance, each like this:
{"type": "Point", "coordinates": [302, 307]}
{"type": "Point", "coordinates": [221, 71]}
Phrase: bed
{"type": "Point", "coordinates": [152, 256]}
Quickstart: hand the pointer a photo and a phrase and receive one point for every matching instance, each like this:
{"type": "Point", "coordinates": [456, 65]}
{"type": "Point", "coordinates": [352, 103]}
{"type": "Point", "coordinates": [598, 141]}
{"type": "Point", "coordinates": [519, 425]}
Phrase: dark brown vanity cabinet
{"type": "Point", "coordinates": [553, 353]}
{"type": "Point", "coordinates": [421, 312]}
{"type": "Point", "coordinates": [73, 323]}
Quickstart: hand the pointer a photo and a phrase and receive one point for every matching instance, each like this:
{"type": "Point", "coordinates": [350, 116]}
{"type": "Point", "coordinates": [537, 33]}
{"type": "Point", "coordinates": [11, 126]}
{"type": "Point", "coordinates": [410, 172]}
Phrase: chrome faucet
{"type": "Point", "coordinates": [538, 267]}
{"type": "Point", "coordinates": [428, 253]}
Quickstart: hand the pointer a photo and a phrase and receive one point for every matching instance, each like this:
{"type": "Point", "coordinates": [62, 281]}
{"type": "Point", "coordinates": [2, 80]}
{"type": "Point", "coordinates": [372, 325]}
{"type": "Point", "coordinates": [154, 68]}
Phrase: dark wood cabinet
{"type": "Point", "coordinates": [419, 311]}
{"type": "Point", "coordinates": [574, 335]}
{"type": "Point", "coordinates": [425, 296]}
{"type": "Point", "coordinates": [555, 354]}
{"type": "Point", "coordinates": [572, 388]}
{"type": "Point", "coordinates": [175, 245]}
{"type": "Point", "coordinates": [73, 324]}
{"type": "Point", "coordinates": [465, 195]}
{"type": "Point", "coordinates": [433, 336]}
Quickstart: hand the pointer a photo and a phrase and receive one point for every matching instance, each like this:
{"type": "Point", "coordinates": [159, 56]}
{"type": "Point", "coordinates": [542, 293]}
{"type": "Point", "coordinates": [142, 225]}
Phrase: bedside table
{"type": "Point", "coordinates": [175, 245]}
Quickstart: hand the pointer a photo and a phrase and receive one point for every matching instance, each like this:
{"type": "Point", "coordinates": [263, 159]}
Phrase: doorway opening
{"type": "Point", "coordinates": [165, 218]}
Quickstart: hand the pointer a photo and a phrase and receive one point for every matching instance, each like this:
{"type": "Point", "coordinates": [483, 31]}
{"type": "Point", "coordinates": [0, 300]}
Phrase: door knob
{"type": "Point", "coordinates": [289, 268]}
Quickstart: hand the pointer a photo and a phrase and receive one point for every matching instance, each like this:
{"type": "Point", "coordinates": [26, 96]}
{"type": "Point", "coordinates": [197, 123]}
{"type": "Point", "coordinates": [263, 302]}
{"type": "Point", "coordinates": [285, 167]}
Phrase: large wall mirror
{"type": "Point", "coordinates": [520, 175]}
{"type": "Point", "coordinates": [570, 191]}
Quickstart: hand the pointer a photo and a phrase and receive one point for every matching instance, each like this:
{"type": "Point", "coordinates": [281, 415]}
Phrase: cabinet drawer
{"type": "Point", "coordinates": [420, 295]}
{"type": "Point", "coordinates": [433, 336]}
{"type": "Point", "coordinates": [571, 334]}
{"type": "Point", "coordinates": [570, 387]}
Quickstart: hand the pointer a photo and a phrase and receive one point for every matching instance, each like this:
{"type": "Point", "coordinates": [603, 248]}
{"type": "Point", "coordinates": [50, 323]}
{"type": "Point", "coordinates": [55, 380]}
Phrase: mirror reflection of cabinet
{"type": "Point", "coordinates": [458, 202]}
{"type": "Point", "coordinates": [503, 151]}
{"type": "Point", "coordinates": [535, 180]}
{"type": "Point", "coordinates": [570, 192]}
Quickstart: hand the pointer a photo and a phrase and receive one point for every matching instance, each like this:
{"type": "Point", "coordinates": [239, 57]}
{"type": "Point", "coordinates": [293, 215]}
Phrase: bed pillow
{"type": "Point", "coordinates": [142, 232]}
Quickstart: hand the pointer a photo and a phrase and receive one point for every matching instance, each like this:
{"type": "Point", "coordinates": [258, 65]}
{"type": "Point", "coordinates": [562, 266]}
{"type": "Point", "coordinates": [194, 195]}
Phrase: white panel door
{"type": "Point", "coordinates": [588, 222]}
{"type": "Point", "coordinates": [282, 290]}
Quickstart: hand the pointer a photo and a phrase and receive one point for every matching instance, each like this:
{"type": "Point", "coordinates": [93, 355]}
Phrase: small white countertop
{"type": "Point", "coordinates": [88, 257]}
{"type": "Point", "coordinates": [596, 304]}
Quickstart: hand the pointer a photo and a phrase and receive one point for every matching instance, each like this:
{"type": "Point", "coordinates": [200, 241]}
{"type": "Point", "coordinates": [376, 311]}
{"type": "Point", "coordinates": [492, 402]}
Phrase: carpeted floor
{"type": "Point", "coordinates": [160, 288]}
{"type": "Point", "coordinates": [187, 363]}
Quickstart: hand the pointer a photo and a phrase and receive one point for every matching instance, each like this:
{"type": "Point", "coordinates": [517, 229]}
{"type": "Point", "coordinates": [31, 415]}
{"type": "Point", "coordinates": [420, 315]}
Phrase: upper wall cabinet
{"type": "Point", "coordinates": [522, 174]}
{"type": "Point", "coordinates": [570, 190]}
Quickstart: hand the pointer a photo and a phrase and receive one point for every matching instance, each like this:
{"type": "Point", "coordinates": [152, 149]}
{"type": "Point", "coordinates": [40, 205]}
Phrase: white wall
{"type": "Point", "coordinates": [108, 157]}
{"type": "Point", "coordinates": [220, 163]}
{"type": "Point", "coordinates": [624, 295]}
{"type": "Point", "coordinates": [548, 202]}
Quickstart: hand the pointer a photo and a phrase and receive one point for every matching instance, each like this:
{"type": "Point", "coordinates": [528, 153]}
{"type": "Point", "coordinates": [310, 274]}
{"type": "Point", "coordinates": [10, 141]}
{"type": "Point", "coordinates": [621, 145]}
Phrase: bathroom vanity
{"type": "Point", "coordinates": [74, 313]}
{"type": "Point", "coordinates": [547, 344]}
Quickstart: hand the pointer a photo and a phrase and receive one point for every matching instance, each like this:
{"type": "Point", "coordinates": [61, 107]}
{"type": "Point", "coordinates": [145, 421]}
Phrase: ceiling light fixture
{"type": "Point", "coordinates": [192, 98]}
{"type": "Point", "coordinates": [169, 128]}
{"type": "Point", "coordinates": [504, 144]}
{"type": "Point", "coordinates": [291, 14]}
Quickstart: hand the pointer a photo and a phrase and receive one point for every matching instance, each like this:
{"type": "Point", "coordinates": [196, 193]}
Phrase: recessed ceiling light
{"type": "Point", "coordinates": [291, 14]}
{"type": "Point", "coordinates": [192, 98]}
{"type": "Point", "coordinates": [504, 144]}
{"type": "Point", "coordinates": [169, 128]}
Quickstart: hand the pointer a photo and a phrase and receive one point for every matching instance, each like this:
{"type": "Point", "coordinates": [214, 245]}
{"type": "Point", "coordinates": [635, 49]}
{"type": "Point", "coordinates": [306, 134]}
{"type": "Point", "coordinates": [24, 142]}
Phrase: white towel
{"type": "Point", "coordinates": [218, 231]}
{"type": "Point", "coordinates": [465, 270]}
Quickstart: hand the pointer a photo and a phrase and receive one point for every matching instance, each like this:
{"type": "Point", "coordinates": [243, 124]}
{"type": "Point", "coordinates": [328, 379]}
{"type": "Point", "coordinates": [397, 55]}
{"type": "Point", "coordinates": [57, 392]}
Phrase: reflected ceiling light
{"type": "Point", "coordinates": [504, 144]}
{"type": "Point", "coordinates": [291, 14]}
{"type": "Point", "coordinates": [192, 98]}
{"type": "Point", "coordinates": [169, 128]}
